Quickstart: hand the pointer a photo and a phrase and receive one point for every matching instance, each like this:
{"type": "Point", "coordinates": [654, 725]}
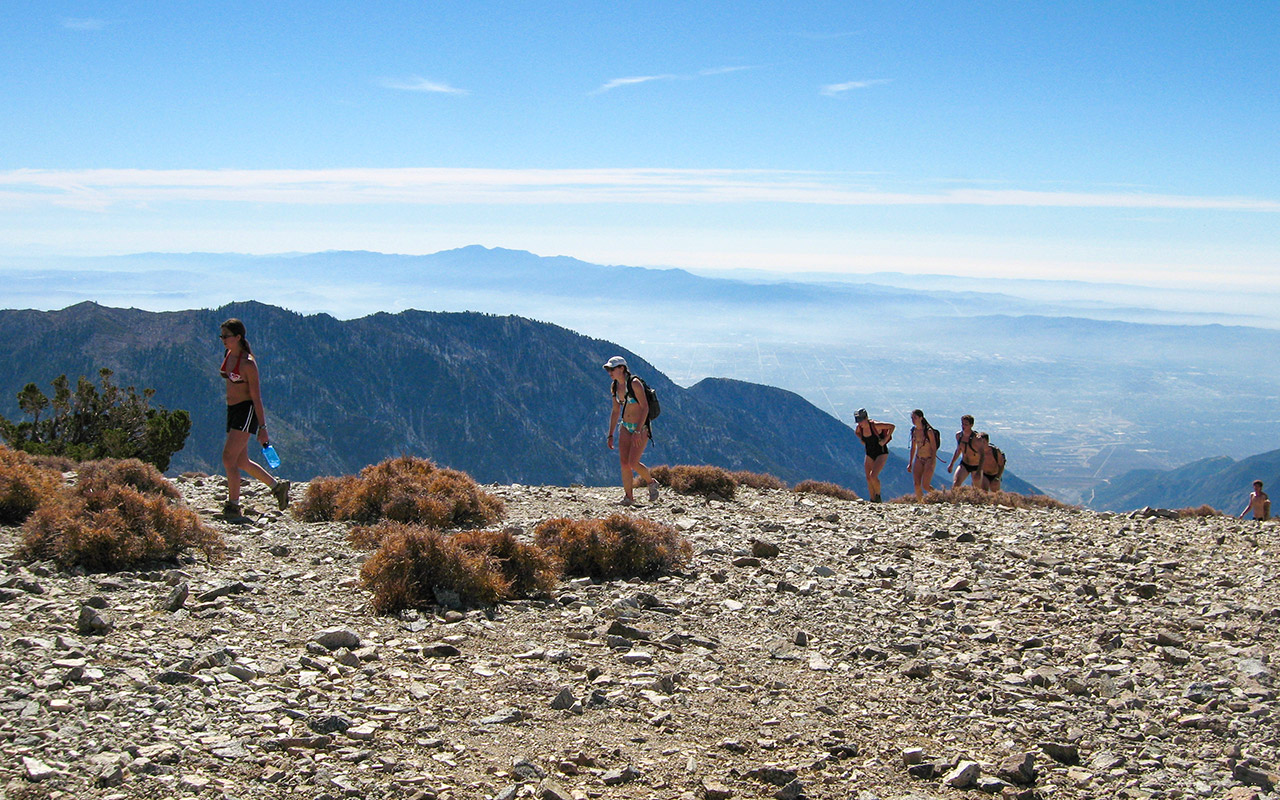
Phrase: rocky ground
{"type": "Point", "coordinates": [814, 648]}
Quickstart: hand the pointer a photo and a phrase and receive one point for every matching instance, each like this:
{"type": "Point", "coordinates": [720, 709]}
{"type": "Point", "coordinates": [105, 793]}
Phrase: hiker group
{"type": "Point", "coordinates": [634, 406]}
{"type": "Point", "coordinates": [978, 457]}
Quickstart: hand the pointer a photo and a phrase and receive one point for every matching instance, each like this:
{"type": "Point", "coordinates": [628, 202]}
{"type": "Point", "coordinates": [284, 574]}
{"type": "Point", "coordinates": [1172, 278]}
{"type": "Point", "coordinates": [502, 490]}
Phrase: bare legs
{"type": "Point", "coordinates": [235, 457]}
{"type": "Point", "coordinates": [872, 467]}
{"type": "Point", "coordinates": [962, 474]}
{"type": "Point", "coordinates": [922, 475]}
{"type": "Point", "coordinates": [630, 448]}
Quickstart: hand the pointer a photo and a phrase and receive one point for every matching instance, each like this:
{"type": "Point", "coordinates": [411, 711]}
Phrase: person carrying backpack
{"type": "Point", "coordinates": [925, 441]}
{"type": "Point", "coordinates": [634, 407]}
{"type": "Point", "coordinates": [992, 463]}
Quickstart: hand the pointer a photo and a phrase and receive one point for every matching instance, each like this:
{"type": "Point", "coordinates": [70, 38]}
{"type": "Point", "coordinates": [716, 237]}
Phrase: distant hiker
{"type": "Point", "coordinates": [923, 457]}
{"type": "Point", "coordinates": [993, 461]}
{"type": "Point", "coordinates": [875, 438]}
{"type": "Point", "coordinates": [631, 407]}
{"type": "Point", "coordinates": [966, 450]}
{"type": "Point", "coordinates": [245, 417]}
{"type": "Point", "coordinates": [1258, 503]}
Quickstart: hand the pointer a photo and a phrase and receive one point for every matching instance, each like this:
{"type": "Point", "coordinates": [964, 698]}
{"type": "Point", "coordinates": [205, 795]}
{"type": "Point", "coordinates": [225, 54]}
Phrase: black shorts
{"type": "Point", "coordinates": [240, 417]}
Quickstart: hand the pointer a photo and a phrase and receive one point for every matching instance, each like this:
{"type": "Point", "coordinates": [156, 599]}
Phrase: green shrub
{"type": "Point", "coordinates": [102, 421]}
{"type": "Point", "coordinates": [103, 523]}
{"type": "Point", "coordinates": [969, 495]}
{"type": "Point", "coordinates": [757, 480]}
{"type": "Point", "coordinates": [825, 488]}
{"type": "Point", "coordinates": [705, 481]}
{"type": "Point", "coordinates": [23, 486]}
{"type": "Point", "coordinates": [413, 561]}
{"type": "Point", "coordinates": [405, 489]}
{"type": "Point", "coordinates": [620, 546]}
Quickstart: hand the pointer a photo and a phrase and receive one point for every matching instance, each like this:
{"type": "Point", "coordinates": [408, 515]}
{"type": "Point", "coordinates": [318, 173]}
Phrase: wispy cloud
{"type": "Point", "coordinates": [633, 81]}
{"type": "Point", "coordinates": [416, 84]}
{"type": "Point", "coordinates": [104, 189]}
{"type": "Point", "coordinates": [617, 82]}
{"type": "Point", "coordinates": [83, 23]}
{"type": "Point", "coordinates": [837, 89]}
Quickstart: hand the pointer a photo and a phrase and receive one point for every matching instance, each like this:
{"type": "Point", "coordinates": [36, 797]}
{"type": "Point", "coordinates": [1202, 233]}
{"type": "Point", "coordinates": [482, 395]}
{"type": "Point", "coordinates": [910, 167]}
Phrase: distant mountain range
{"type": "Point", "coordinates": [1220, 482]}
{"type": "Point", "coordinates": [505, 398]}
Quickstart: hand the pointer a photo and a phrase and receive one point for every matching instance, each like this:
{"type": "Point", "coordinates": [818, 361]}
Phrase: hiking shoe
{"type": "Point", "coordinates": [653, 491]}
{"type": "Point", "coordinates": [627, 501]}
{"type": "Point", "coordinates": [231, 510]}
{"type": "Point", "coordinates": [281, 493]}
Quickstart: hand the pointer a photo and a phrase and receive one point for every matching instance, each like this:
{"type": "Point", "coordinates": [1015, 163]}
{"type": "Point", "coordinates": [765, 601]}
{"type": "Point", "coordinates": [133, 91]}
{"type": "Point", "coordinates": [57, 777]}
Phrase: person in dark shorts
{"type": "Point", "coordinates": [968, 453]}
{"type": "Point", "coordinates": [992, 465]}
{"type": "Point", "coordinates": [1258, 503]}
{"type": "Point", "coordinates": [246, 416]}
{"type": "Point", "coordinates": [875, 438]}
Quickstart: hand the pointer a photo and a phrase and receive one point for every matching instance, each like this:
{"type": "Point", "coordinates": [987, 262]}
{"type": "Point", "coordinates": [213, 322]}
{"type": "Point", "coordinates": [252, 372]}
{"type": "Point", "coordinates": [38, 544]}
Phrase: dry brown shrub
{"type": "Point", "coordinates": [707, 481]}
{"type": "Point", "coordinates": [55, 463]}
{"type": "Point", "coordinates": [661, 474]}
{"type": "Point", "coordinates": [318, 504]}
{"type": "Point", "coordinates": [414, 561]}
{"type": "Point", "coordinates": [1202, 511]}
{"type": "Point", "coordinates": [757, 480]}
{"type": "Point", "coordinates": [617, 547]}
{"type": "Point", "coordinates": [973, 496]}
{"type": "Point", "coordinates": [97, 475]}
{"type": "Point", "coordinates": [404, 489]}
{"type": "Point", "coordinates": [531, 570]}
{"type": "Point", "coordinates": [23, 485]}
{"type": "Point", "coordinates": [825, 488]}
{"type": "Point", "coordinates": [111, 526]}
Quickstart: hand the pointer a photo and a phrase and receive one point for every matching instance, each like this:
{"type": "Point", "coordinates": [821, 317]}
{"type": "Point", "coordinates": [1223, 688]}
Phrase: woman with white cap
{"type": "Point", "coordinates": [631, 408]}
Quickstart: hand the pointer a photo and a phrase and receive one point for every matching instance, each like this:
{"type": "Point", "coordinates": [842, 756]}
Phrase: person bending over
{"type": "Point", "coordinates": [875, 438]}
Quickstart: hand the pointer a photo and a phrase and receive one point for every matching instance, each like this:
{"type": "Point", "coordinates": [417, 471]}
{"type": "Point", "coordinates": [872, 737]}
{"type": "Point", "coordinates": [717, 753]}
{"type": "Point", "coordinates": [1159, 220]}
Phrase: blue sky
{"type": "Point", "coordinates": [1112, 141]}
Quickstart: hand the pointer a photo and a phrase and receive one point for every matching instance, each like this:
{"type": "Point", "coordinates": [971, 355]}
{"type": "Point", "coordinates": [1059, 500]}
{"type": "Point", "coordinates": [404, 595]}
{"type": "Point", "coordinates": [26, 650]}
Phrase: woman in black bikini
{"type": "Point", "coordinates": [631, 407]}
{"type": "Point", "coordinates": [245, 417]}
{"type": "Point", "coordinates": [875, 438]}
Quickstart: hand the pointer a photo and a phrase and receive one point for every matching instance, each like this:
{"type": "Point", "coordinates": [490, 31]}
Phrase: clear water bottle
{"type": "Point", "coordinates": [271, 456]}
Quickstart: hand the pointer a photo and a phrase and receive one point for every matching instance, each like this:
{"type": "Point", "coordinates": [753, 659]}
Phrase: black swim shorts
{"type": "Point", "coordinates": [240, 417]}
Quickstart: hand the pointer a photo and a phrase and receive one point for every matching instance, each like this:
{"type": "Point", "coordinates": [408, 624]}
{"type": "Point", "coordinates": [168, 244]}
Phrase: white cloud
{"type": "Point", "coordinates": [417, 84]}
{"type": "Point", "coordinates": [633, 81]}
{"type": "Point", "coordinates": [617, 82]}
{"type": "Point", "coordinates": [83, 23]}
{"type": "Point", "coordinates": [103, 189]}
{"type": "Point", "coordinates": [722, 70]}
{"type": "Point", "coordinates": [836, 89]}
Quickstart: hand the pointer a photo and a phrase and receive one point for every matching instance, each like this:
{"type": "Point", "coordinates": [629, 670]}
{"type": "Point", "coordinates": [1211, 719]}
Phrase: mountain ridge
{"type": "Point", "coordinates": [505, 398]}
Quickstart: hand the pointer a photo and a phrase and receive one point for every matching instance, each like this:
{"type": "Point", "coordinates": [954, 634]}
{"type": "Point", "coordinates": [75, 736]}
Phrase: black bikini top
{"type": "Point", "coordinates": [231, 374]}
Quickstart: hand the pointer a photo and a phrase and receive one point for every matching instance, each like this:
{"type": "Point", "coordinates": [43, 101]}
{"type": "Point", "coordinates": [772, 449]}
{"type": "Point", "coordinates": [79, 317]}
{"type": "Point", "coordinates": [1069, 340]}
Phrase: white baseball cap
{"type": "Point", "coordinates": [616, 361]}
